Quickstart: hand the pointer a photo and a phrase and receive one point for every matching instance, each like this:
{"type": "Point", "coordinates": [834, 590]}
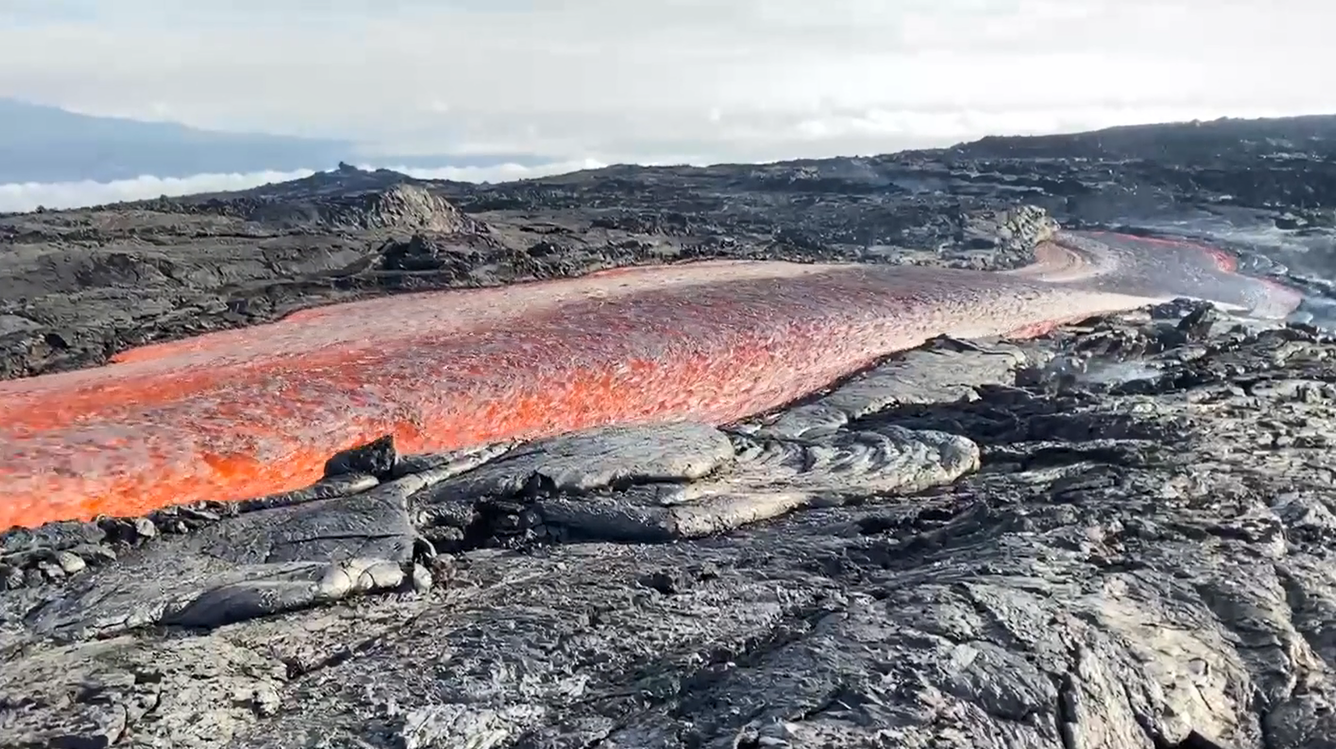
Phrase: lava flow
{"type": "Point", "coordinates": [243, 413]}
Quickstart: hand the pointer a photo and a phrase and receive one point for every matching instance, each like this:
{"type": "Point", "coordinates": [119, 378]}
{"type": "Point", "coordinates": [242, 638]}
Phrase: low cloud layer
{"type": "Point", "coordinates": [696, 80]}
{"type": "Point", "coordinates": [27, 197]}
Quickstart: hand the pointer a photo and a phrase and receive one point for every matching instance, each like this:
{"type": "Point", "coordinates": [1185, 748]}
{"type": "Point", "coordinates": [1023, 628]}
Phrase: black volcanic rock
{"type": "Point", "coordinates": [89, 283]}
{"type": "Point", "coordinates": [1116, 535]}
{"type": "Point", "coordinates": [1075, 576]}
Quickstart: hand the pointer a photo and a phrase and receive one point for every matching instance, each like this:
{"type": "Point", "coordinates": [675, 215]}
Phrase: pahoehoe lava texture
{"type": "Point", "coordinates": [1116, 535]}
{"type": "Point", "coordinates": [254, 411]}
{"type": "Point", "coordinates": [1127, 563]}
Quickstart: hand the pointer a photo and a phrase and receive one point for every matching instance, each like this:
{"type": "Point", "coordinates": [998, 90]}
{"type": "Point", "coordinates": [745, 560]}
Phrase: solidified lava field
{"type": "Point", "coordinates": [243, 413]}
{"type": "Point", "coordinates": [1115, 533]}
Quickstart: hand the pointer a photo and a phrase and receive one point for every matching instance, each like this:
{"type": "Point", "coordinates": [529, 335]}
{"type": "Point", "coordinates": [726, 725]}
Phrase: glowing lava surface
{"type": "Point", "coordinates": [248, 412]}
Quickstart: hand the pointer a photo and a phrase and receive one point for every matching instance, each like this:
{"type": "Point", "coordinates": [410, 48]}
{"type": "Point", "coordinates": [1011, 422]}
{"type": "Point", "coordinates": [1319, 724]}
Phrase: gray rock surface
{"type": "Point", "coordinates": [79, 286]}
{"type": "Point", "coordinates": [1117, 536]}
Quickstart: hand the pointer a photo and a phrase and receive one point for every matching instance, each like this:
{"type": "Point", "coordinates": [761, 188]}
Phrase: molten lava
{"type": "Point", "coordinates": [243, 413]}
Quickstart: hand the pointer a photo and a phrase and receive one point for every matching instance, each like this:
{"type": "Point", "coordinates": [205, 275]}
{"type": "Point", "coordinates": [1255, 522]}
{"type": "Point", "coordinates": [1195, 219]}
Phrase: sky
{"type": "Point", "coordinates": [668, 80]}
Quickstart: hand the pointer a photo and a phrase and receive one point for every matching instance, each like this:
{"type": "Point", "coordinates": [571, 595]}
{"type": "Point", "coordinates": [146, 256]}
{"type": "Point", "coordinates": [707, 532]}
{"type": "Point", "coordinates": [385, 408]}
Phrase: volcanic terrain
{"type": "Point", "coordinates": [744, 494]}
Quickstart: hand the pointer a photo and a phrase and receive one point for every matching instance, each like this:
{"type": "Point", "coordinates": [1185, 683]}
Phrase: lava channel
{"type": "Point", "coordinates": [243, 413]}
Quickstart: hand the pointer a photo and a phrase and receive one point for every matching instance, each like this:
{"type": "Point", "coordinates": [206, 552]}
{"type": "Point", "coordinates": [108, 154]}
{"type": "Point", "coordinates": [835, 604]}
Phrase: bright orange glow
{"type": "Point", "coordinates": [248, 412]}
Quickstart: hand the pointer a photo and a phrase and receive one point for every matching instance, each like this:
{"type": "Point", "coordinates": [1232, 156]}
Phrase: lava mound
{"type": "Point", "coordinates": [400, 206]}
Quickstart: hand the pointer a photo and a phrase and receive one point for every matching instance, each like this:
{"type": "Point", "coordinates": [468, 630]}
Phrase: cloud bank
{"type": "Point", "coordinates": [696, 80]}
{"type": "Point", "coordinates": [27, 197]}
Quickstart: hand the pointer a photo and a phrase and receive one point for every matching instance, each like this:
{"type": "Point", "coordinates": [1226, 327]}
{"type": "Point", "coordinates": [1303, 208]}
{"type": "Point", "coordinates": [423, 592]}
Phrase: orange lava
{"type": "Point", "coordinates": [248, 412]}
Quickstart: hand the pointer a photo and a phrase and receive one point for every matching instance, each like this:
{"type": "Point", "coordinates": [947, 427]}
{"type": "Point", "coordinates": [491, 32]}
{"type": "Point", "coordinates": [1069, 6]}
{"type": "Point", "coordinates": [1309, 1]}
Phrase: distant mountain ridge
{"type": "Point", "coordinates": [45, 144]}
{"type": "Point", "coordinates": [1209, 140]}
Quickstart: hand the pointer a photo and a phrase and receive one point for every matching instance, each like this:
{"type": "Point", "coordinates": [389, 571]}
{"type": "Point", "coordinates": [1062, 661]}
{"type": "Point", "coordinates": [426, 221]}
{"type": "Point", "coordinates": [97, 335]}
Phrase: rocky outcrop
{"type": "Point", "coordinates": [1004, 238]}
{"type": "Point", "coordinates": [404, 207]}
{"type": "Point", "coordinates": [398, 207]}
